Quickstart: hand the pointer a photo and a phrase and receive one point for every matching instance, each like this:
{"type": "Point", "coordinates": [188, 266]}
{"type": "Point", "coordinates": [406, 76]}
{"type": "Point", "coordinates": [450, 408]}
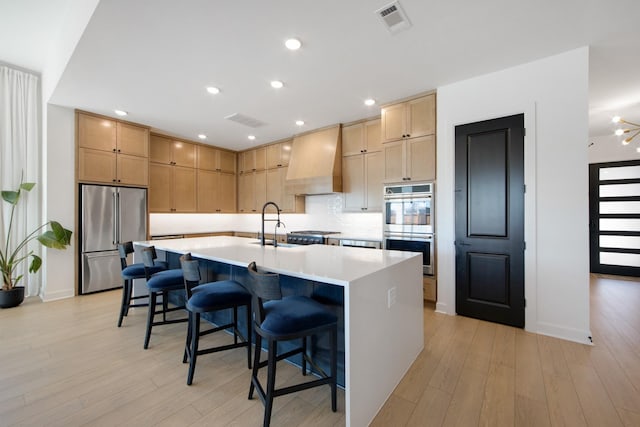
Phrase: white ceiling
{"type": "Point", "coordinates": [154, 58]}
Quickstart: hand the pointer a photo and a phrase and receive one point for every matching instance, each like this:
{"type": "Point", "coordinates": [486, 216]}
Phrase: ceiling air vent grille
{"type": "Point", "coordinates": [394, 17]}
{"type": "Point", "coordinates": [245, 120]}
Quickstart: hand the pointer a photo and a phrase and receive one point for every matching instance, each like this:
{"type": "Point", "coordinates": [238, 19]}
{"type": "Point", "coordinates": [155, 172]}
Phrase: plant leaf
{"type": "Point", "coordinates": [11, 196]}
{"type": "Point", "coordinates": [62, 234]}
{"type": "Point", "coordinates": [27, 186]}
{"type": "Point", "coordinates": [49, 239]}
{"type": "Point", "coordinates": [36, 263]}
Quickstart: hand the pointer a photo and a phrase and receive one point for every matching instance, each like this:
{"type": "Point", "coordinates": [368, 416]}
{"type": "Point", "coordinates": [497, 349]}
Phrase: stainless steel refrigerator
{"type": "Point", "coordinates": [108, 215]}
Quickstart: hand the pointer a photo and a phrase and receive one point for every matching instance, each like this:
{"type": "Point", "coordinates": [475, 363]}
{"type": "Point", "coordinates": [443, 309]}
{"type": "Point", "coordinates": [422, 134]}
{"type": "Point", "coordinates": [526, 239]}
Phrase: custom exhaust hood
{"type": "Point", "coordinates": [315, 166]}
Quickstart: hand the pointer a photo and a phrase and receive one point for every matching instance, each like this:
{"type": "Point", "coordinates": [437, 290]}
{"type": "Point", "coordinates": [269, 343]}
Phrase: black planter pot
{"type": "Point", "coordinates": [12, 298]}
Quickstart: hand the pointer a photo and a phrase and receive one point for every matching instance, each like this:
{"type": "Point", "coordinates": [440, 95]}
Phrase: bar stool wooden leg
{"type": "Point", "coordinates": [150, 316]}
{"type": "Point", "coordinates": [195, 332]}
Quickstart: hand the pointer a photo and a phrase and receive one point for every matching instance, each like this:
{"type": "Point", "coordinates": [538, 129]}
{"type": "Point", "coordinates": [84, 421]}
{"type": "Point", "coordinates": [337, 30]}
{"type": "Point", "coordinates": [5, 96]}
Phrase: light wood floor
{"type": "Point", "coordinates": [66, 363]}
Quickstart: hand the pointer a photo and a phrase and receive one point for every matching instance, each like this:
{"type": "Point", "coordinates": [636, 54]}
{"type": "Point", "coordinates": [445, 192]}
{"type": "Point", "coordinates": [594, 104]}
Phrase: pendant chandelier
{"type": "Point", "coordinates": [631, 128]}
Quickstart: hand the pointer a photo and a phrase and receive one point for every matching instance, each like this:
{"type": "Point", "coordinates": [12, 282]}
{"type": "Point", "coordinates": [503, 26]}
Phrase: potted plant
{"type": "Point", "coordinates": [12, 255]}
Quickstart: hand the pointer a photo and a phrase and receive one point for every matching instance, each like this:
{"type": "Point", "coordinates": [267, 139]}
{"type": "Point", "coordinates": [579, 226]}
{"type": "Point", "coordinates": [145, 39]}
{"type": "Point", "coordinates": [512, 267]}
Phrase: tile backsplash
{"type": "Point", "coordinates": [323, 212]}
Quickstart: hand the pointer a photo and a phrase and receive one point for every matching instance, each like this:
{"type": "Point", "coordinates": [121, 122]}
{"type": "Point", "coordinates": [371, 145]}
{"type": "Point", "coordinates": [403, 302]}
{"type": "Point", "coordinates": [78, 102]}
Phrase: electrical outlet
{"type": "Point", "coordinates": [391, 297]}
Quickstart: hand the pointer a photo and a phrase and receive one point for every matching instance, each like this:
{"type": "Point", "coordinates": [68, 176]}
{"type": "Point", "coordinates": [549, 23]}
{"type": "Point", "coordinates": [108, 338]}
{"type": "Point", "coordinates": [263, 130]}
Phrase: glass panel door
{"type": "Point", "coordinates": [614, 205]}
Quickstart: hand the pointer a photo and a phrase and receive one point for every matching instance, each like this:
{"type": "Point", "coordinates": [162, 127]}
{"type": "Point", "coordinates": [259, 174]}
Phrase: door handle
{"type": "Point", "coordinates": [115, 218]}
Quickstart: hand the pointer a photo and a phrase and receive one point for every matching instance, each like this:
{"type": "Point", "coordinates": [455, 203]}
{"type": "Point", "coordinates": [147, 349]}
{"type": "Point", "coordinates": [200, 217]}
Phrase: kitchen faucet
{"type": "Point", "coordinates": [278, 223]}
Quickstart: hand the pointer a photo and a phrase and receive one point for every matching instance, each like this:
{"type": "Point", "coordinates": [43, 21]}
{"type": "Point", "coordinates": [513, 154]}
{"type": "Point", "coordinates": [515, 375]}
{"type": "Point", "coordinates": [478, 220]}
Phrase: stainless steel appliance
{"type": "Point", "coordinates": [408, 221]}
{"type": "Point", "coordinates": [108, 216]}
{"type": "Point", "coordinates": [356, 243]}
{"type": "Point", "coordinates": [309, 237]}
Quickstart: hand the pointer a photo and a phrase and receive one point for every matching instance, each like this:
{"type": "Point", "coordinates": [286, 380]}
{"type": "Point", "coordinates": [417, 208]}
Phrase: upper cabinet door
{"type": "Point", "coordinates": [372, 136]}
{"type": "Point", "coordinates": [97, 133]}
{"type": "Point", "coordinates": [133, 140]}
{"type": "Point", "coordinates": [260, 158]}
{"type": "Point", "coordinates": [226, 161]}
{"type": "Point", "coordinates": [207, 158]}
{"type": "Point", "coordinates": [410, 119]}
{"type": "Point", "coordinates": [278, 155]}
{"type": "Point", "coordinates": [394, 122]}
{"type": "Point", "coordinates": [273, 156]}
{"type": "Point", "coordinates": [161, 150]}
{"type": "Point", "coordinates": [421, 116]}
{"type": "Point", "coordinates": [353, 139]}
{"type": "Point", "coordinates": [184, 154]}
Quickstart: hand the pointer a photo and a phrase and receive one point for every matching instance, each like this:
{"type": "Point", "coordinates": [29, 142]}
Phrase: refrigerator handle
{"type": "Point", "coordinates": [118, 216]}
{"type": "Point", "coordinates": [115, 213]}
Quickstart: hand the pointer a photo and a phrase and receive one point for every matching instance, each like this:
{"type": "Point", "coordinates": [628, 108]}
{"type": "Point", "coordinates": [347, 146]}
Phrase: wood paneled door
{"type": "Point", "coordinates": [490, 220]}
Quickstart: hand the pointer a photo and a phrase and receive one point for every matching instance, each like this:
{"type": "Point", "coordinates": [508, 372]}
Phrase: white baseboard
{"type": "Point", "coordinates": [52, 296]}
{"type": "Point", "coordinates": [565, 333]}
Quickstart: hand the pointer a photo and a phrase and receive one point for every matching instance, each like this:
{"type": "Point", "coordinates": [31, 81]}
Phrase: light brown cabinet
{"type": "Point", "coordinates": [171, 152]}
{"type": "Point", "coordinates": [252, 191]}
{"type": "Point", "coordinates": [172, 188]}
{"type": "Point", "coordinates": [278, 191]}
{"type": "Point", "coordinates": [410, 119]}
{"type": "Point", "coordinates": [252, 160]}
{"type": "Point", "coordinates": [215, 159]}
{"type": "Point", "coordinates": [173, 177]}
{"type": "Point", "coordinates": [112, 152]}
{"type": "Point", "coordinates": [410, 160]}
{"type": "Point", "coordinates": [216, 191]}
{"type": "Point", "coordinates": [262, 178]}
{"type": "Point", "coordinates": [362, 178]}
{"type": "Point", "coordinates": [429, 288]}
{"type": "Point", "coordinates": [278, 154]}
{"type": "Point", "coordinates": [361, 138]}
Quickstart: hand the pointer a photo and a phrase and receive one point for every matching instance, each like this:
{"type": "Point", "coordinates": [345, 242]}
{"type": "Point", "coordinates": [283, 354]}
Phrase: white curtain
{"type": "Point", "coordinates": [20, 153]}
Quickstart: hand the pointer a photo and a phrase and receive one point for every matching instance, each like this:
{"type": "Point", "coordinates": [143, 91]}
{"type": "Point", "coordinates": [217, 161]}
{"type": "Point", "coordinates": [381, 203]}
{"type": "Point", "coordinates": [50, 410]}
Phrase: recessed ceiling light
{"type": "Point", "coordinates": [251, 137]}
{"type": "Point", "coordinates": [293, 44]}
{"type": "Point", "coordinates": [120, 112]}
{"type": "Point", "coordinates": [300, 122]}
{"type": "Point", "coordinates": [276, 84]}
{"type": "Point", "coordinates": [213, 90]}
{"type": "Point", "coordinates": [369, 102]}
{"type": "Point", "coordinates": [202, 136]}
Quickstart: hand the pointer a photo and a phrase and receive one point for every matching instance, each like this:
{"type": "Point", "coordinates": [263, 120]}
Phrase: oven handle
{"type": "Point", "coordinates": [408, 196]}
{"type": "Point", "coordinates": [410, 237]}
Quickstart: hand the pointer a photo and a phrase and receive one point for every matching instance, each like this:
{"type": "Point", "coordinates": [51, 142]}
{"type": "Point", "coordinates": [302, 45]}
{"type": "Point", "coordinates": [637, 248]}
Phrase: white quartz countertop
{"type": "Point", "coordinates": [336, 265]}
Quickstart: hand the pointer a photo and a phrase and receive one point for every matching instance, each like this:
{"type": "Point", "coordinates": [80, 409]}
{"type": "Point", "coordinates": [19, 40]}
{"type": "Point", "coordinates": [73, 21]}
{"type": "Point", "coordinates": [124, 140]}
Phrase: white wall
{"type": "Point", "coordinates": [553, 95]}
{"type": "Point", "coordinates": [59, 200]}
{"type": "Point", "coordinates": [610, 149]}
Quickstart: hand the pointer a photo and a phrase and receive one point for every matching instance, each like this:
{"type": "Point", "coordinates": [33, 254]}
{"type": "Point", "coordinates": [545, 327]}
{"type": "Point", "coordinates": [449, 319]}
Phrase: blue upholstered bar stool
{"type": "Point", "coordinates": [210, 297]}
{"type": "Point", "coordinates": [160, 283]}
{"type": "Point", "coordinates": [283, 319]}
{"type": "Point", "coordinates": [129, 273]}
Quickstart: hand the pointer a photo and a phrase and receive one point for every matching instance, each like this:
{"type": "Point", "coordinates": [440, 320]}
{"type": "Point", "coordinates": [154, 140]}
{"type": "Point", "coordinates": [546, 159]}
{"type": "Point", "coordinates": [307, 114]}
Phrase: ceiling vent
{"type": "Point", "coordinates": [245, 120]}
{"type": "Point", "coordinates": [394, 17]}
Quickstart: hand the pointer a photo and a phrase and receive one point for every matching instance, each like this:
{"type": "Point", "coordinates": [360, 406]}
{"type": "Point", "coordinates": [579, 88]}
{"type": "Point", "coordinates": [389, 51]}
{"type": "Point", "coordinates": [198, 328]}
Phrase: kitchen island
{"type": "Point", "coordinates": [381, 293]}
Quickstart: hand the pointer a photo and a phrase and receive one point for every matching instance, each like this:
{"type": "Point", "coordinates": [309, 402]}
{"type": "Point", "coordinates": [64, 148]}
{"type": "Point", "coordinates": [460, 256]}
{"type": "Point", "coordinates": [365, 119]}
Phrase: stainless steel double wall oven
{"type": "Point", "coordinates": [408, 220]}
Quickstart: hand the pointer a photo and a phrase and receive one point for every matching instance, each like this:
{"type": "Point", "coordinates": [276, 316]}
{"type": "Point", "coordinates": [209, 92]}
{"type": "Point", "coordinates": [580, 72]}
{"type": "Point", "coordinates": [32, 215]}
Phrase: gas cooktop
{"type": "Point", "coordinates": [309, 237]}
{"type": "Point", "coordinates": [314, 232]}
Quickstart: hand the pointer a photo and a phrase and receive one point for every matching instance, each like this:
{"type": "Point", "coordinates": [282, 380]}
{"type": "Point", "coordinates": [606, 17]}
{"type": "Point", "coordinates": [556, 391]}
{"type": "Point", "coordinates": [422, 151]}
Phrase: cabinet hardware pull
{"type": "Point", "coordinates": [118, 150]}
{"type": "Point", "coordinates": [114, 150]}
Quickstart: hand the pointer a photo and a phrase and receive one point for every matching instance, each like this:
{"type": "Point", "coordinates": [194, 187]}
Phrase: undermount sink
{"type": "Point", "coordinates": [280, 245]}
